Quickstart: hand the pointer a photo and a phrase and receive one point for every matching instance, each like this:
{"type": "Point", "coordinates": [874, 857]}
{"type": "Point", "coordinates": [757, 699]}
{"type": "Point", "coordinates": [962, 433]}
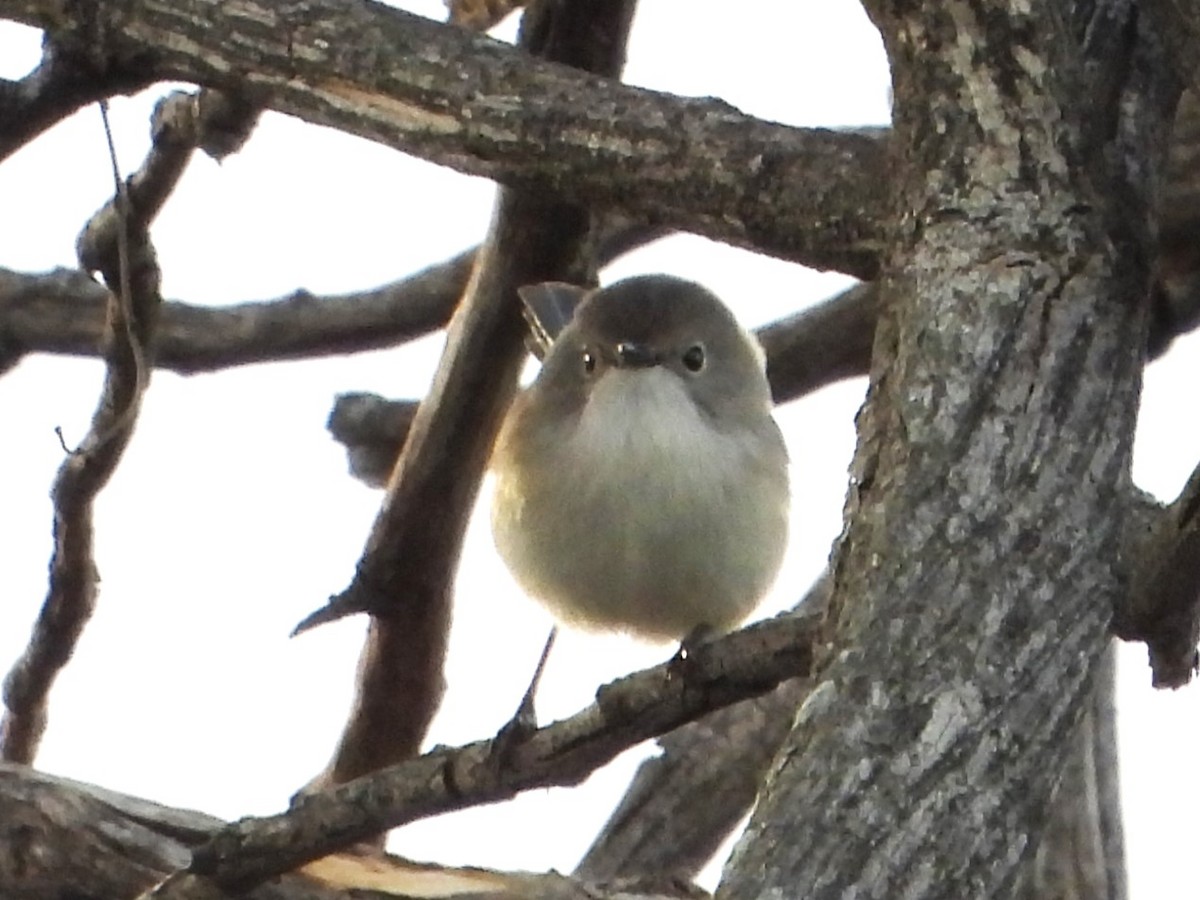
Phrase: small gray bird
{"type": "Point", "coordinates": [642, 484]}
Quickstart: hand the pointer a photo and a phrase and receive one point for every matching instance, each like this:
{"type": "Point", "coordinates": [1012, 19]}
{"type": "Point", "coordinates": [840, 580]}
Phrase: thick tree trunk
{"type": "Point", "coordinates": [981, 560]}
{"type": "Point", "coordinates": [1082, 854]}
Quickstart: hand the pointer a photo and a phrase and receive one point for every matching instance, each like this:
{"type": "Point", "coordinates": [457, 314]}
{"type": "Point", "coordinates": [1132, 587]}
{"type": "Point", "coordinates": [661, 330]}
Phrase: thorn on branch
{"type": "Point", "coordinates": [339, 606]}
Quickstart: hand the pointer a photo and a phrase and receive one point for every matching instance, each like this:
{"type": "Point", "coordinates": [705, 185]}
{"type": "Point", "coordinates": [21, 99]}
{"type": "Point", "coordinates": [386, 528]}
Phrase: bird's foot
{"type": "Point", "coordinates": [683, 660]}
{"type": "Point", "coordinates": [517, 730]}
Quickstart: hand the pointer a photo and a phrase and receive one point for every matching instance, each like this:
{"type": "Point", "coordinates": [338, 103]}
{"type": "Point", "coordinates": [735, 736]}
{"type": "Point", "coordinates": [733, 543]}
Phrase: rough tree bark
{"type": "Point", "coordinates": [975, 580]}
{"type": "Point", "coordinates": [991, 530]}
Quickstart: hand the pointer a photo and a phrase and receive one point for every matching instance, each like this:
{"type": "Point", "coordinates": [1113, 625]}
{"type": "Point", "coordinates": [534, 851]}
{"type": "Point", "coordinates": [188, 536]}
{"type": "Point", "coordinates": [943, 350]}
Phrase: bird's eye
{"type": "Point", "coordinates": [589, 362]}
{"type": "Point", "coordinates": [693, 357]}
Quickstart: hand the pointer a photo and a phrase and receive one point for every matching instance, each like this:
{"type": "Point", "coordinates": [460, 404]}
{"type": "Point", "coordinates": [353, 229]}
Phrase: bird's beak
{"type": "Point", "coordinates": [635, 356]}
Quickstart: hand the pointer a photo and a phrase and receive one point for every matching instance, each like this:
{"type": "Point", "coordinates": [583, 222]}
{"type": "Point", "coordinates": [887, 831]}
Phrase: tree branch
{"type": "Point", "coordinates": [684, 802]}
{"type": "Point", "coordinates": [63, 312]}
{"type": "Point", "coordinates": [406, 573]}
{"type": "Point", "coordinates": [628, 711]}
{"type": "Point", "coordinates": [78, 840]}
{"type": "Point", "coordinates": [822, 344]}
{"type": "Point", "coordinates": [481, 15]}
{"type": "Point", "coordinates": [63, 83]}
{"type": "Point", "coordinates": [1162, 606]}
{"type": "Point", "coordinates": [116, 242]}
{"type": "Point", "coordinates": [130, 269]}
{"type": "Point", "coordinates": [180, 123]}
{"type": "Point", "coordinates": [446, 95]}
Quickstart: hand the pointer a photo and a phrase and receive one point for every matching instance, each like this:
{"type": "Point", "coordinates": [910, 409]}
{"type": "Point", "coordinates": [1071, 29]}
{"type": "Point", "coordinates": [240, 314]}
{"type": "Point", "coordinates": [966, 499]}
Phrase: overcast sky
{"type": "Point", "coordinates": [232, 516]}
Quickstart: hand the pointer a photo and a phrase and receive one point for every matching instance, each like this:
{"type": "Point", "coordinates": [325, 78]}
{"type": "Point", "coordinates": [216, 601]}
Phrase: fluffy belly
{"type": "Point", "coordinates": [641, 530]}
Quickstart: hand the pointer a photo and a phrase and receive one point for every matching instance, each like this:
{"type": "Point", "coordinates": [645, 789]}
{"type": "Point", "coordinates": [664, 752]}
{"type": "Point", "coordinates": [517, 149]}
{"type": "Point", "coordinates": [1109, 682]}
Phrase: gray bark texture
{"type": "Point", "coordinates": [944, 728]}
{"type": "Point", "coordinates": [1082, 851]}
{"type": "Point", "coordinates": [61, 839]}
{"type": "Point", "coordinates": [981, 559]}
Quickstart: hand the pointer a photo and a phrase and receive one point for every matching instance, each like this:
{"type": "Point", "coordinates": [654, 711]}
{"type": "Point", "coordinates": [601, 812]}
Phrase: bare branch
{"type": "Point", "coordinates": [822, 344]}
{"type": "Point", "coordinates": [1175, 306]}
{"type": "Point", "coordinates": [626, 712]}
{"type": "Point", "coordinates": [436, 91]}
{"type": "Point", "coordinates": [116, 242]}
{"type": "Point", "coordinates": [684, 802]}
{"type": "Point", "coordinates": [406, 574]}
{"type": "Point", "coordinates": [130, 269]}
{"type": "Point", "coordinates": [1162, 606]}
{"type": "Point", "coordinates": [62, 84]}
{"type": "Point", "coordinates": [180, 123]}
{"type": "Point", "coordinates": [63, 312]}
{"type": "Point", "coordinates": [373, 429]}
{"type": "Point", "coordinates": [78, 840]}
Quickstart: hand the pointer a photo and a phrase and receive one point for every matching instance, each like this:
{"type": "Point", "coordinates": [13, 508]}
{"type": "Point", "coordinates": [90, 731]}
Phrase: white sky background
{"type": "Point", "coordinates": [232, 515]}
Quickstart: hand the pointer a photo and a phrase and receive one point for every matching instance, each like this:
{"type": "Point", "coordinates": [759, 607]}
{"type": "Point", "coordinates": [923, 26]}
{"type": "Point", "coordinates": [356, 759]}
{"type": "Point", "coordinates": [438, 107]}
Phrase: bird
{"type": "Point", "coordinates": [641, 482]}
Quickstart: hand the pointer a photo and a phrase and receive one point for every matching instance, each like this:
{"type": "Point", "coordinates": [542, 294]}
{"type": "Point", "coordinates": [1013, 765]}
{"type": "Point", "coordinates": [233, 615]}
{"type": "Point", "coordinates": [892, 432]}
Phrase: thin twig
{"type": "Point", "coordinates": [115, 242]}
{"type": "Point", "coordinates": [130, 270]}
